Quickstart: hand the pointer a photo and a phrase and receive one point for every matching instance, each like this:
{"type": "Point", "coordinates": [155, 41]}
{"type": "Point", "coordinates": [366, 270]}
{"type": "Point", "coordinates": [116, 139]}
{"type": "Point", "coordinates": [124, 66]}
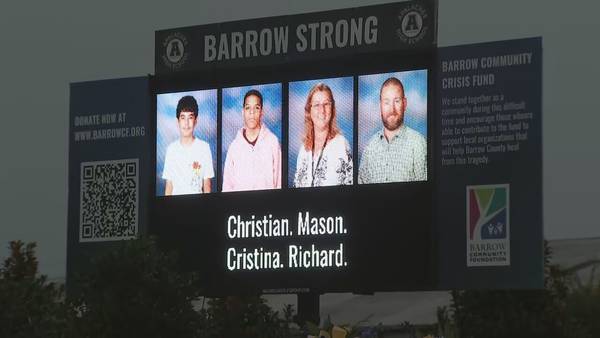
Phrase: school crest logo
{"type": "Point", "coordinates": [488, 236]}
{"type": "Point", "coordinates": [175, 51]}
{"type": "Point", "coordinates": [413, 24]}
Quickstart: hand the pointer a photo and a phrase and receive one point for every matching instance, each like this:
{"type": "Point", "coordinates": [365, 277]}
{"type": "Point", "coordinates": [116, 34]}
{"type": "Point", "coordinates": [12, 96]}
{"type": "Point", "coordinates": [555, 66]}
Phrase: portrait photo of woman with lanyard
{"type": "Point", "coordinates": [324, 157]}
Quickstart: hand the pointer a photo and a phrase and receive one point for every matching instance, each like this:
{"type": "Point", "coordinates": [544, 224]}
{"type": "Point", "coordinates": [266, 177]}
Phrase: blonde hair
{"type": "Point", "coordinates": [309, 128]}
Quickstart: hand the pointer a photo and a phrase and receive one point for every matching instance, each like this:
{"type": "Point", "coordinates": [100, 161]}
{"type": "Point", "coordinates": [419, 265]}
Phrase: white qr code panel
{"type": "Point", "coordinates": [109, 200]}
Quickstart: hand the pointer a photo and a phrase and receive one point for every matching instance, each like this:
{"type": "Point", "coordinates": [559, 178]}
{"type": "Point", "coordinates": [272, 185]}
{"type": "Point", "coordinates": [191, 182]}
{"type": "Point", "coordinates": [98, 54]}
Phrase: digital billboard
{"type": "Point", "coordinates": [320, 179]}
{"type": "Point", "coordinates": [318, 130]}
{"type": "Point", "coordinates": [337, 151]}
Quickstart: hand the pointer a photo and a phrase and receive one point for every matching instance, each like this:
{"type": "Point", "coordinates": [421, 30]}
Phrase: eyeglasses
{"type": "Point", "coordinates": [325, 105]}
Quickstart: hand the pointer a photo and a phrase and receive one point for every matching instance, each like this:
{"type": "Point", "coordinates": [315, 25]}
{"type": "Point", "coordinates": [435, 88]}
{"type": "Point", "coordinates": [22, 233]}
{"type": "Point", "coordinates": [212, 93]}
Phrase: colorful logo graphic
{"type": "Point", "coordinates": [487, 212]}
{"type": "Point", "coordinates": [196, 168]}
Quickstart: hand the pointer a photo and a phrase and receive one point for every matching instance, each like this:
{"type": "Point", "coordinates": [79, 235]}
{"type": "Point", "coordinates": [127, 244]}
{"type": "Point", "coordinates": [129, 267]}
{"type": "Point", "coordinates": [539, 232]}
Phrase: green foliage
{"type": "Point", "coordinates": [517, 313]}
{"type": "Point", "coordinates": [132, 291]}
{"type": "Point", "coordinates": [30, 306]}
{"type": "Point", "coordinates": [21, 264]}
{"type": "Point", "coordinates": [583, 305]}
{"type": "Point", "coordinates": [136, 291]}
{"type": "Point", "coordinates": [444, 328]}
{"type": "Point", "coordinates": [245, 317]}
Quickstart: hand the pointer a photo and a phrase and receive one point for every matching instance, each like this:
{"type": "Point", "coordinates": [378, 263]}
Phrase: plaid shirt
{"type": "Point", "coordinates": [403, 159]}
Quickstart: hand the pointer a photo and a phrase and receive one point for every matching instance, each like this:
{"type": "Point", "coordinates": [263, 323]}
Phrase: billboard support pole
{"type": "Point", "coordinates": [308, 308]}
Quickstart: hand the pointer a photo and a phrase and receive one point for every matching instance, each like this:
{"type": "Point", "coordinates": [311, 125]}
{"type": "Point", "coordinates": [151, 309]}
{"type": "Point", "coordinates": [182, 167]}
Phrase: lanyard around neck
{"type": "Point", "coordinates": [312, 161]}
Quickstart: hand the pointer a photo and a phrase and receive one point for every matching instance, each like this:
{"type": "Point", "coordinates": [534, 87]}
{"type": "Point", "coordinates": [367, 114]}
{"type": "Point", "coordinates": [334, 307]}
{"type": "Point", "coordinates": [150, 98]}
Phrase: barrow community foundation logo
{"type": "Point", "coordinates": [488, 228]}
{"type": "Point", "coordinates": [175, 51]}
{"type": "Point", "coordinates": [413, 24]}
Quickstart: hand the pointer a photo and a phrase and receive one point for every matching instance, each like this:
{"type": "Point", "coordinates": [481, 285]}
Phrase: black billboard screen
{"type": "Point", "coordinates": [295, 153]}
{"type": "Point", "coordinates": [318, 179]}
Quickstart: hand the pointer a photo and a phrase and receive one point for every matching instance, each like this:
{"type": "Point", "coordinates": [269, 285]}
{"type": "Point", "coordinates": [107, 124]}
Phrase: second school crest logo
{"type": "Point", "coordinates": [413, 24]}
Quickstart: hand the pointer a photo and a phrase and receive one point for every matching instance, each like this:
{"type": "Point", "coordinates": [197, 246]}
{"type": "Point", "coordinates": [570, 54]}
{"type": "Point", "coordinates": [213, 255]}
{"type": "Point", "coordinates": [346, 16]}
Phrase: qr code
{"type": "Point", "coordinates": [109, 200]}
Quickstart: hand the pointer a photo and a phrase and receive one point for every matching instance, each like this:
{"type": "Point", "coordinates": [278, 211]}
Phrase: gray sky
{"type": "Point", "coordinates": [49, 44]}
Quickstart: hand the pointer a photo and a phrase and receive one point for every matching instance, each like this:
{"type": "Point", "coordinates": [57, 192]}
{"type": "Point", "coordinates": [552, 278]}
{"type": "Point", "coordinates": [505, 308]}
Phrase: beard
{"type": "Point", "coordinates": [394, 123]}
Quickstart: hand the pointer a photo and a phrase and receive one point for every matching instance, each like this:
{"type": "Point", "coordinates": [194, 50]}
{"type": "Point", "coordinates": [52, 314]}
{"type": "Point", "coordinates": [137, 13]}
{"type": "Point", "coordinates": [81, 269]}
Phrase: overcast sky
{"type": "Point", "coordinates": [49, 44]}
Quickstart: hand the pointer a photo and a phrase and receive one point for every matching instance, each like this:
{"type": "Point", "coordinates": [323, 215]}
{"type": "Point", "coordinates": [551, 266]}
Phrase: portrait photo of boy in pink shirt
{"type": "Point", "coordinates": [253, 159]}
